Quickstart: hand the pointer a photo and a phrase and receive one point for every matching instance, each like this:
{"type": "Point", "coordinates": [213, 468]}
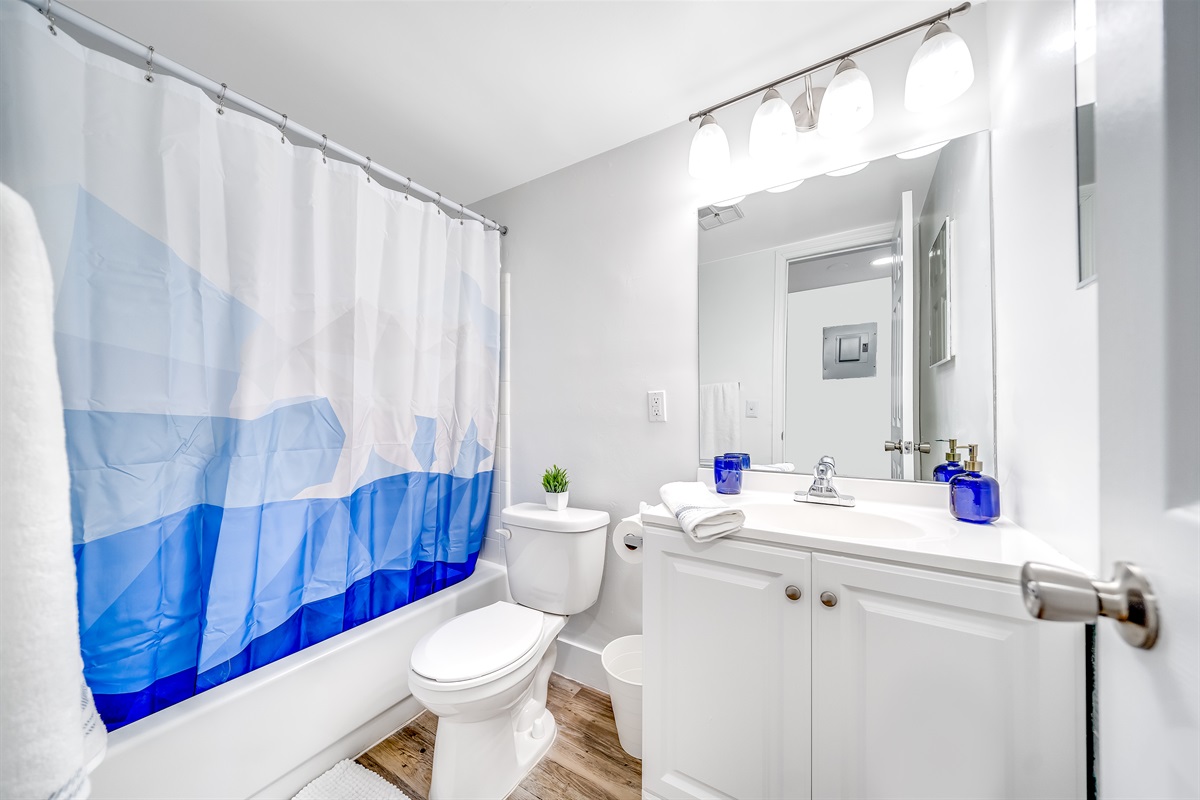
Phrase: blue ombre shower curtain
{"type": "Point", "coordinates": [280, 379]}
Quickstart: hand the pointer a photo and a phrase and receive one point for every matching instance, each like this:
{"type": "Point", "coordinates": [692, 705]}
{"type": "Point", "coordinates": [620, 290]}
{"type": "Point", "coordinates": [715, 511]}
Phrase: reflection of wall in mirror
{"type": "Point", "coordinates": [957, 396]}
{"type": "Point", "coordinates": [849, 418]}
{"type": "Point", "coordinates": [737, 312]}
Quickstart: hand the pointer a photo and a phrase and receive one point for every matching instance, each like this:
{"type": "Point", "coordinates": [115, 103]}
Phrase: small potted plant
{"type": "Point", "coordinates": [555, 482]}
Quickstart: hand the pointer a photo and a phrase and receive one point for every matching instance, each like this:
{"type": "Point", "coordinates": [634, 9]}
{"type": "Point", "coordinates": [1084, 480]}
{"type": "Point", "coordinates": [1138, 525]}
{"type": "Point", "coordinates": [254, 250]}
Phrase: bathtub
{"type": "Point", "coordinates": [269, 732]}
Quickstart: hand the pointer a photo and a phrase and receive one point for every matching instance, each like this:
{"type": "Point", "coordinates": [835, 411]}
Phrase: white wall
{"type": "Point", "coordinates": [850, 418]}
{"type": "Point", "coordinates": [737, 336]}
{"type": "Point", "coordinates": [1046, 328]}
{"type": "Point", "coordinates": [603, 261]}
{"type": "Point", "coordinates": [957, 398]}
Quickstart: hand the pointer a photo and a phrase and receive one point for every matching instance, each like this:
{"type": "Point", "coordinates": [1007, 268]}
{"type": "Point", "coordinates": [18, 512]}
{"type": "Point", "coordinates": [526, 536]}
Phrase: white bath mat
{"type": "Point", "coordinates": [350, 781]}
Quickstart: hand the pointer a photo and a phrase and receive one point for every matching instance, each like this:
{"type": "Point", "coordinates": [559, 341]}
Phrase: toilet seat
{"type": "Point", "coordinates": [488, 641]}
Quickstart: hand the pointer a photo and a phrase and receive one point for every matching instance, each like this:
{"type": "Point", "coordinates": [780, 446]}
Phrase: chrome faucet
{"type": "Point", "coordinates": [822, 490]}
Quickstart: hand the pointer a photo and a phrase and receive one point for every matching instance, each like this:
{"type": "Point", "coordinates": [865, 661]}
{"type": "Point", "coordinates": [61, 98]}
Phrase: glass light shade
{"type": "Point", "coordinates": [849, 103]}
{"type": "Point", "coordinates": [786, 187]}
{"type": "Point", "coordinates": [941, 70]}
{"type": "Point", "coordinates": [773, 131]}
{"type": "Point", "coordinates": [709, 155]}
{"type": "Point", "coordinates": [917, 152]}
{"type": "Point", "coordinates": [837, 173]}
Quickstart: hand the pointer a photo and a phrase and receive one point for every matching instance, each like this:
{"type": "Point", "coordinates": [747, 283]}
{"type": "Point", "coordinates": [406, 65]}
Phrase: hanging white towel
{"type": "Point", "coordinates": [720, 422]}
{"type": "Point", "coordinates": [703, 515]}
{"type": "Point", "coordinates": [49, 727]}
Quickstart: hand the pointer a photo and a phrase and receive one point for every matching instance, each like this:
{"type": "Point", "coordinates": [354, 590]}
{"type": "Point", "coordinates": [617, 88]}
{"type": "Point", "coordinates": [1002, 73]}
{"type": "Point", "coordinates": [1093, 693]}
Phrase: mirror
{"type": "Point", "coordinates": [852, 313]}
{"type": "Point", "coordinates": [1085, 133]}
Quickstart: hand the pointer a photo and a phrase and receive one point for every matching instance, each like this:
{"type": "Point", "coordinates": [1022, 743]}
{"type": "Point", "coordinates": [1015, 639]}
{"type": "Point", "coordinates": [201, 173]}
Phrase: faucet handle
{"type": "Point", "coordinates": [825, 467]}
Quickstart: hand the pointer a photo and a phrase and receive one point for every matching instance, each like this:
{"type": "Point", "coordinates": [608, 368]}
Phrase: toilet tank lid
{"type": "Point", "coordinates": [538, 517]}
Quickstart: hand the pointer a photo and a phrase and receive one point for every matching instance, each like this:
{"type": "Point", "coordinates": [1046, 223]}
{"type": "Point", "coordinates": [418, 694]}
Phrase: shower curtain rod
{"type": "Point", "coordinates": [56, 12]}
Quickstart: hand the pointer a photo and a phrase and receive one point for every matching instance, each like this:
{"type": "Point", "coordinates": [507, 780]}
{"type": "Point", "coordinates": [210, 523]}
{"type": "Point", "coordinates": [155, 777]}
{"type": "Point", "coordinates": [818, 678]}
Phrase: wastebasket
{"type": "Point", "coordinates": [622, 660]}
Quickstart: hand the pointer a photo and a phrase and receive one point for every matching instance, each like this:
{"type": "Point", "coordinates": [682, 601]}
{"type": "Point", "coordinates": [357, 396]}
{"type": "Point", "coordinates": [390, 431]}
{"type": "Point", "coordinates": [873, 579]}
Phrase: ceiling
{"type": "Point", "coordinates": [472, 98]}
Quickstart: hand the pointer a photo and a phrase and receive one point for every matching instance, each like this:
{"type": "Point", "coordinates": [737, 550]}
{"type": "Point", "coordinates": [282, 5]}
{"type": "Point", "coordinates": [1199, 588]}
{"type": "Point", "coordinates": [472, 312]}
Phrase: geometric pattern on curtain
{"type": "Point", "coordinates": [280, 381]}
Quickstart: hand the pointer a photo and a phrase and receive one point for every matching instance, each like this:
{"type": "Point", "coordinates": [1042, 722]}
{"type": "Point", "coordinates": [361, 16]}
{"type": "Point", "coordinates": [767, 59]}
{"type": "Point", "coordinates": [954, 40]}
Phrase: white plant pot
{"type": "Point", "coordinates": [556, 501]}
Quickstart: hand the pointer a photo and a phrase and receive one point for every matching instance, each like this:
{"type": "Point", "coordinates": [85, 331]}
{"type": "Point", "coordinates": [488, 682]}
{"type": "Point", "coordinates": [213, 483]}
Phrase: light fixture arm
{"type": "Point", "coordinates": [945, 15]}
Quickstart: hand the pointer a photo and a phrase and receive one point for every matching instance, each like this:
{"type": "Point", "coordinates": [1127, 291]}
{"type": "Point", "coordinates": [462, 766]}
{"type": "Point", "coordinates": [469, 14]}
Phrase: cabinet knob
{"type": "Point", "coordinates": [792, 592]}
{"type": "Point", "coordinates": [828, 599]}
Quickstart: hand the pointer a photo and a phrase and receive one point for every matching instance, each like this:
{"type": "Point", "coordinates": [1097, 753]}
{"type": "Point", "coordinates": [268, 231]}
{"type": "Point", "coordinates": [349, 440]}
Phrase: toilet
{"type": "Point", "coordinates": [485, 673]}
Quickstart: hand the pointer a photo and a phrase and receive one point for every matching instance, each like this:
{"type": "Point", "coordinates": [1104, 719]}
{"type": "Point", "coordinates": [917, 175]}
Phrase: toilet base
{"type": "Point", "coordinates": [487, 759]}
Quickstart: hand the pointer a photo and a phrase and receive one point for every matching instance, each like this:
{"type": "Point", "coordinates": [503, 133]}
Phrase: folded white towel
{"type": "Point", "coordinates": [701, 513]}
{"type": "Point", "coordinates": [50, 734]}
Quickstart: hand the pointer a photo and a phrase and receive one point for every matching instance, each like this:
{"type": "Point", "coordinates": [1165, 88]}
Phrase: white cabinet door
{"type": "Point", "coordinates": [932, 685]}
{"type": "Point", "coordinates": [726, 670]}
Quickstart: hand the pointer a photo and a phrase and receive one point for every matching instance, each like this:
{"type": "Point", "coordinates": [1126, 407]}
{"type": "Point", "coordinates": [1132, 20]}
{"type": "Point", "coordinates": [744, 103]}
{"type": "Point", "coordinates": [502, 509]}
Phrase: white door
{"type": "Point", "coordinates": [1147, 207]}
{"type": "Point", "coordinates": [903, 340]}
{"type": "Point", "coordinates": [726, 670]}
{"type": "Point", "coordinates": [934, 685]}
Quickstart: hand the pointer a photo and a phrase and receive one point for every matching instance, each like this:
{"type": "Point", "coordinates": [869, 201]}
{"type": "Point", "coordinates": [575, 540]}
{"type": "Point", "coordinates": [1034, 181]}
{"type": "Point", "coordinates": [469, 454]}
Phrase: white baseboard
{"type": "Point", "coordinates": [581, 663]}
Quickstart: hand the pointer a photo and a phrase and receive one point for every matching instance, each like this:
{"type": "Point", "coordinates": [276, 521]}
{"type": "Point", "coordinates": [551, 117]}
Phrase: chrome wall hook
{"type": "Point", "coordinates": [150, 66]}
{"type": "Point", "coordinates": [221, 99]}
{"type": "Point", "coordinates": [368, 169]}
{"type": "Point", "coordinates": [50, 17]}
{"type": "Point", "coordinates": [282, 128]}
{"type": "Point", "coordinates": [324, 144]}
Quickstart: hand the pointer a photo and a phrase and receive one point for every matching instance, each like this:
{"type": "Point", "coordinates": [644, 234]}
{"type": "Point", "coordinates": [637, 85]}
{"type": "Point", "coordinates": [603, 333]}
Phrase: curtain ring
{"type": "Point", "coordinates": [368, 169]}
{"type": "Point", "coordinates": [50, 17]}
{"type": "Point", "coordinates": [150, 66]}
{"type": "Point", "coordinates": [407, 186]}
{"type": "Point", "coordinates": [439, 203]}
{"type": "Point", "coordinates": [282, 128]}
{"type": "Point", "coordinates": [221, 98]}
{"type": "Point", "coordinates": [461, 210]}
{"type": "Point", "coordinates": [324, 144]}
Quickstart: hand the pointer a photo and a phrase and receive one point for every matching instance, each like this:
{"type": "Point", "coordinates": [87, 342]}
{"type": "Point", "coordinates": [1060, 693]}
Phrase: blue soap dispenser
{"type": "Point", "coordinates": [953, 465]}
{"type": "Point", "coordinates": [974, 497]}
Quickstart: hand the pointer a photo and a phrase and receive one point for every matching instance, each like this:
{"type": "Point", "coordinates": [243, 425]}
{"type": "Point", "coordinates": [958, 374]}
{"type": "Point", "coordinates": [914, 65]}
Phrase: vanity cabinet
{"type": "Point", "coordinates": [880, 680]}
{"type": "Point", "coordinates": [727, 657]}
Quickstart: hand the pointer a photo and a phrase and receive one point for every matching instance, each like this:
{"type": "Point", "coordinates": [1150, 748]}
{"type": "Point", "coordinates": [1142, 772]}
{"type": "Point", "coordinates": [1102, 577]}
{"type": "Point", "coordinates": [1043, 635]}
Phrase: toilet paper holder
{"type": "Point", "coordinates": [633, 541]}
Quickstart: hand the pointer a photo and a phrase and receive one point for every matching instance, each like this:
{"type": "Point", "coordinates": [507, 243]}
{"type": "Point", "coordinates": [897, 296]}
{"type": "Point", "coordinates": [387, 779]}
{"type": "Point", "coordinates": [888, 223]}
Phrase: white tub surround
{"type": "Point", "coordinates": [268, 733]}
{"type": "Point", "coordinates": [878, 651]}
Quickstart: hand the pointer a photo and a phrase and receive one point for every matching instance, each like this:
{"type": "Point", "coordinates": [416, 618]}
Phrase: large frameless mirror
{"type": "Point", "coordinates": [851, 315]}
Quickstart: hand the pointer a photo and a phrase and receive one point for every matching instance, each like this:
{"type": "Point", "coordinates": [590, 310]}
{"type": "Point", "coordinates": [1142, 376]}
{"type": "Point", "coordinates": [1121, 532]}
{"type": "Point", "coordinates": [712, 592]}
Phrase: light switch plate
{"type": "Point", "coordinates": [752, 409]}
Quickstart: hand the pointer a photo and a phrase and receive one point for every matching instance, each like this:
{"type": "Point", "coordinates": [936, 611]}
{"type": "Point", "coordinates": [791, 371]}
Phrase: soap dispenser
{"type": "Point", "coordinates": [974, 497]}
{"type": "Point", "coordinates": [953, 465]}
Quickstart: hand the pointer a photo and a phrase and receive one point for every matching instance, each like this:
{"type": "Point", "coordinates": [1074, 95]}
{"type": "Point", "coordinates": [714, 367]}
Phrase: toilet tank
{"type": "Point", "coordinates": [555, 558]}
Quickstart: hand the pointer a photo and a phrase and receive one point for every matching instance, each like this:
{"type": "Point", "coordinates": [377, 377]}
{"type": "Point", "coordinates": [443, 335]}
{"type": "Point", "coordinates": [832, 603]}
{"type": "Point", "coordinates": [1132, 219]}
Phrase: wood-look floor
{"type": "Point", "coordinates": [585, 761]}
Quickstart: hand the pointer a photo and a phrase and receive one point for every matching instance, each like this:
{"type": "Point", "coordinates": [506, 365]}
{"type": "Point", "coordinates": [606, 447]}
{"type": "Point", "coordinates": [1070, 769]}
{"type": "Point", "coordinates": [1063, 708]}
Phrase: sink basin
{"type": "Point", "coordinates": [831, 521]}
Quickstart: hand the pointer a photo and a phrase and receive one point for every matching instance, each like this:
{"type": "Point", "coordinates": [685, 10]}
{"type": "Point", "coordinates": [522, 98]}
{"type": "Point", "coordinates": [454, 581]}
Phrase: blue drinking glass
{"type": "Point", "coordinates": [727, 474]}
{"type": "Point", "coordinates": [745, 458]}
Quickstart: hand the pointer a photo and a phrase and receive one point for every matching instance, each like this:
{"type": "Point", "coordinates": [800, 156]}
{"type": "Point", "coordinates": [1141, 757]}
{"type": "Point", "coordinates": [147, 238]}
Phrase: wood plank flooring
{"type": "Point", "coordinates": [586, 760]}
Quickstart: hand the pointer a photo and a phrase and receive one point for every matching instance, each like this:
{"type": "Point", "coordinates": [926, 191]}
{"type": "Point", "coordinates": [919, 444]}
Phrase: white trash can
{"type": "Point", "coordinates": [622, 660]}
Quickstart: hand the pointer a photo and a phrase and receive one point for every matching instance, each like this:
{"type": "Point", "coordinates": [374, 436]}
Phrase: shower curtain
{"type": "Point", "coordinates": [280, 379]}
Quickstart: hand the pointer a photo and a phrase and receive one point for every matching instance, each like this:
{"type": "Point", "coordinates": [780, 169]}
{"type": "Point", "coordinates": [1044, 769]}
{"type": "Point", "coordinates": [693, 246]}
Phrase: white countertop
{"type": "Point", "coordinates": [997, 550]}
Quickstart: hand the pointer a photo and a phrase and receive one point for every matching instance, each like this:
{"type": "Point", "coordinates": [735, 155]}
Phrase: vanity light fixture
{"type": "Point", "coordinates": [838, 173]}
{"type": "Point", "coordinates": [709, 156]}
{"type": "Point", "coordinates": [940, 71]}
{"type": "Point", "coordinates": [849, 104]}
{"type": "Point", "coordinates": [773, 131]}
{"type": "Point", "coordinates": [785, 187]}
{"type": "Point", "coordinates": [917, 152]}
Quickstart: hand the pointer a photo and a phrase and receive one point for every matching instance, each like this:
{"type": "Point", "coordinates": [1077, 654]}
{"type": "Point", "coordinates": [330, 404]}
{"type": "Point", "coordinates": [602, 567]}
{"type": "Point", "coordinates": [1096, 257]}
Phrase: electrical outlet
{"type": "Point", "coordinates": [656, 406]}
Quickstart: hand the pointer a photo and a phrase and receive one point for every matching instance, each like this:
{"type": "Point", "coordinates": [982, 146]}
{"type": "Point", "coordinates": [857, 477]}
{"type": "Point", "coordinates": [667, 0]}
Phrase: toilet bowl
{"type": "Point", "coordinates": [485, 673]}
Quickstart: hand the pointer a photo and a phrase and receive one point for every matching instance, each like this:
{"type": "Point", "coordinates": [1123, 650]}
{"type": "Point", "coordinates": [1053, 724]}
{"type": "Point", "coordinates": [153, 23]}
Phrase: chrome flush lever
{"type": "Point", "coordinates": [1064, 595]}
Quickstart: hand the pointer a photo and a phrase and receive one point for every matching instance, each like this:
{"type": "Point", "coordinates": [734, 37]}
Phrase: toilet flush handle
{"type": "Point", "coordinates": [505, 533]}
